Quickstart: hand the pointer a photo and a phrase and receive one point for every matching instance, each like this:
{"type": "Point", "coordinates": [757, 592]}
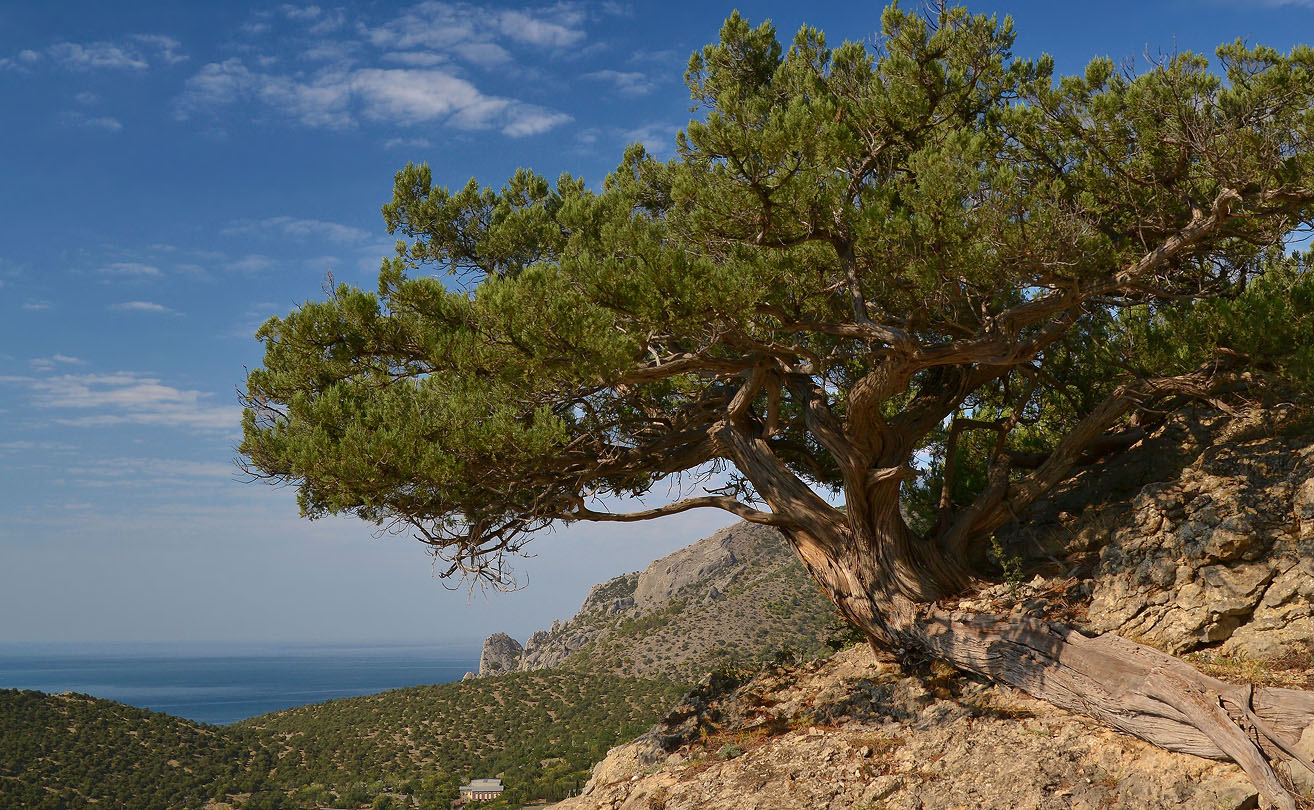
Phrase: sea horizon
{"type": "Point", "coordinates": [225, 682]}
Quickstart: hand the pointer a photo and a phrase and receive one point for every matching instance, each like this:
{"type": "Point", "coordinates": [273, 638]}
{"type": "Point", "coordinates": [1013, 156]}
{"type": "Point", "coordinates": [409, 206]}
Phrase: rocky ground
{"type": "Point", "coordinates": [850, 732]}
{"type": "Point", "coordinates": [1200, 538]}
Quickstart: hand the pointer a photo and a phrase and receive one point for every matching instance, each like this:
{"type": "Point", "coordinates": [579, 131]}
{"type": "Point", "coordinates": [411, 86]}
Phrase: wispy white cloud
{"type": "Point", "coordinates": [534, 121]}
{"type": "Point", "coordinates": [422, 58]}
{"type": "Point", "coordinates": [331, 50]}
{"type": "Point", "coordinates": [125, 397]}
{"type": "Point", "coordinates": [26, 445]}
{"type": "Point", "coordinates": [408, 143]}
{"type": "Point", "coordinates": [36, 304]}
{"type": "Point", "coordinates": [300, 12]}
{"type": "Point", "coordinates": [627, 83]}
{"type": "Point", "coordinates": [413, 73]}
{"type": "Point", "coordinates": [54, 361]}
{"type": "Point", "coordinates": [141, 306]}
{"type": "Point", "coordinates": [339, 99]}
{"type": "Point", "coordinates": [135, 53]}
{"type": "Point", "coordinates": [167, 49]}
{"type": "Point", "coordinates": [192, 270]}
{"type": "Point", "coordinates": [328, 22]}
{"type": "Point", "coordinates": [130, 270]}
{"type": "Point", "coordinates": [558, 27]}
{"type": "Point", "coordinates": [21, 61]}
{"type": "Point", "coordinates": [409, 95]}
{"type": "Point", "coordinates": [658, 139]}
{"type": "Point", "coordinates": [120, 469]}
{"type": "Point", "coordinates": [104, 123]}
{"type": "Point", "coordinates": [321, 101]}
{"type": "Point", "coordinates": [96, 56]}
{"type": "Point", "coordinates": [317, 20]}
{"type": "Point", "coordinates": [483, 54]}
{"type": "Point", "coordinates": [452, 26]}
{"type": "Point", "coordinates": [299, 228]}
{"type": "Point", "coordinates": [251, 263]}
{"type": "Point", "coordinates": [257, 27]}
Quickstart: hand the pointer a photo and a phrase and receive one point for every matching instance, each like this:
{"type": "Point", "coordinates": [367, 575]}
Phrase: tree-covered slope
{"type": "Point", "coordinates": [73, 751]}
{"type": "Point", "coordinates": [539, 731]}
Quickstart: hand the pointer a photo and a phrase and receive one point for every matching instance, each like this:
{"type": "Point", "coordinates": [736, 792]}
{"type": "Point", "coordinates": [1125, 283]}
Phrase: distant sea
{"type": "Point", "coordinates": [224, 683]}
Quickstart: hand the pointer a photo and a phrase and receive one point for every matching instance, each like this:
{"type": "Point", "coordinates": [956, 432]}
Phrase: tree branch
{"type": "Point", "coordinates": [1002, 500]}
{"type": "Point", "coordinates": [725, 502]}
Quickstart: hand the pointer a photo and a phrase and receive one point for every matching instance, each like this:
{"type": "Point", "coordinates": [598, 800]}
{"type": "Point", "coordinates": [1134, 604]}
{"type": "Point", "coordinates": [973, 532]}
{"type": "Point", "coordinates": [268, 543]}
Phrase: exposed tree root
{"type": "Point", "coordinates": [1134, 688]}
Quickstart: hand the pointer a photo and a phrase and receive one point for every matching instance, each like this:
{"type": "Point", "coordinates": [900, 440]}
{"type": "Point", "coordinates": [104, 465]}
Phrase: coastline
{"type": "Point", "coordinates": [222, 683]}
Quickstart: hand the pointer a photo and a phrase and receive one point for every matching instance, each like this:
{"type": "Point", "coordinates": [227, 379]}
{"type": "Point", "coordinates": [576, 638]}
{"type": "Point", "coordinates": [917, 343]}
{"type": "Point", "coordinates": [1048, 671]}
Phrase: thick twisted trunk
{"type": "Point", "coordinates": [883, 581]}
{"type": "Point", "coordinates": [1134, 688]}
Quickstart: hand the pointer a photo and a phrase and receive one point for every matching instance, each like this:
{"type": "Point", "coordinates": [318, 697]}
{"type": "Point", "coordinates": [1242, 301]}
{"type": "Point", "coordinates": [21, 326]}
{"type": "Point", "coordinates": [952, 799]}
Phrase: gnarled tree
{"type": "Point", "coordinates": [930, 277]}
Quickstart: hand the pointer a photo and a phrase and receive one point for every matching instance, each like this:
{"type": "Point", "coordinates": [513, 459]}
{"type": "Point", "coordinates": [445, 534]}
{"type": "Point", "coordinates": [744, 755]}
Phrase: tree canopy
{"type": "Point", "coordinates": [928, 275]}
{"type": "Point", "coordinates": [851, 248]}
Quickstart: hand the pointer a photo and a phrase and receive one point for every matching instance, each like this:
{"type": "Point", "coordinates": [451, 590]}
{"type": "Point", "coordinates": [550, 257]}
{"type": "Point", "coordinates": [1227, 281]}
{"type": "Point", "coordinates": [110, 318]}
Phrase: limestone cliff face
{"type": "Point", "coordinates": [710, 562]}
{"type": "Point", "coordinates": [1201, 538]}
{"type": "Point", "coordinates": [501, 654]}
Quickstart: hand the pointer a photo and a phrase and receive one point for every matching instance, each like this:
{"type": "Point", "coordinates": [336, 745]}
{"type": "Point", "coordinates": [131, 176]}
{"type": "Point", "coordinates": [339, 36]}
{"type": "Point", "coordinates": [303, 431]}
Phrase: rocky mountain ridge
{"type": "Point", "coordinates": [735, 595]}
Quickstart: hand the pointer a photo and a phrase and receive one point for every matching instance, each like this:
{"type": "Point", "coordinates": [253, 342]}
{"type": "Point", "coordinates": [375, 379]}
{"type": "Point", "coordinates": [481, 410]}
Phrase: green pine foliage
{"type": "Point", "coordinates": [864, 242]}
{"type": "Point", "coordinates": [1271, 322]}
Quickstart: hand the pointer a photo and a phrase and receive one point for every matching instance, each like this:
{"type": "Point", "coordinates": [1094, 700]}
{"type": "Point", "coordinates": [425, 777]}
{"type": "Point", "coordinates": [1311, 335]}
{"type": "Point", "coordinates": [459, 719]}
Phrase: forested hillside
{"type": "Point", "coordinates": [540, 731]}
{"type": "Point", "coordinates": [71, 751]}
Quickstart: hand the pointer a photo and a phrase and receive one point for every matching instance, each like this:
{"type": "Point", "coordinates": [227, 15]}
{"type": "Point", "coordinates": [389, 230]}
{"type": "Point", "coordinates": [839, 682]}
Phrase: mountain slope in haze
{"type": "Point", "coordinates": [737, 597]}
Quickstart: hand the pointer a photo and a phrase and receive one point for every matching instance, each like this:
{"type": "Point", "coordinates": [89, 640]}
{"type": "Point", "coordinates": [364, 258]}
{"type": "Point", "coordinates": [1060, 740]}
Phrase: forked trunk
{"type": "Point", "coordinates": [874, 576]}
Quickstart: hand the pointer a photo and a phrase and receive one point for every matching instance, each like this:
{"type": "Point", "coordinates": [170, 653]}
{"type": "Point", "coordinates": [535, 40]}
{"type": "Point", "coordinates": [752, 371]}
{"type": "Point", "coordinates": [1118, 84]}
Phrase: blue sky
{"type": "Point", "coordinates": [174, 174]}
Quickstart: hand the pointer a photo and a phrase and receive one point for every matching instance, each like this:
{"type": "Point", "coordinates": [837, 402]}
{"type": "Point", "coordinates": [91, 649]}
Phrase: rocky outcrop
{"type": "Point", "coordinates": [501, 654]}
{"type": "Point", "coordinates": [851, 732]}
{"type": "Point", "coordinates": [707, 562]}
{"type": "Point", "coordinates": [1203, 537]}
{"type": "Point", "coordinates": [548, 649]}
